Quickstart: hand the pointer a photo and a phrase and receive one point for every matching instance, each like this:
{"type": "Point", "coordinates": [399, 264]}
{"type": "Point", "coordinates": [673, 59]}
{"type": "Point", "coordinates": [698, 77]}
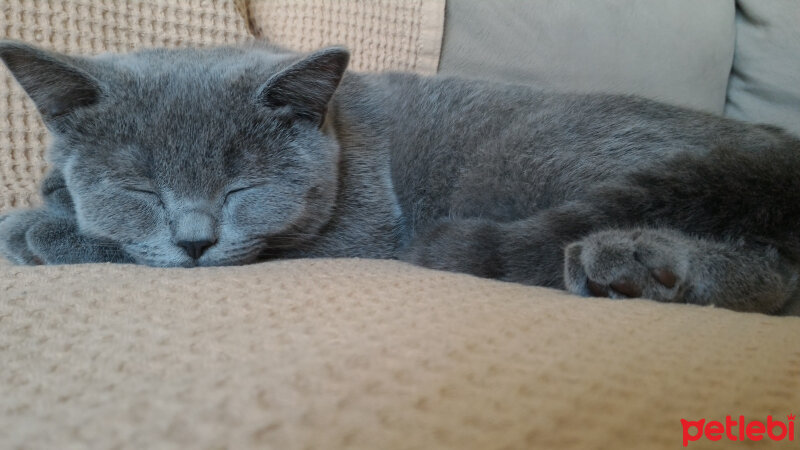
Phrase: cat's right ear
{"type": "Point", "coordinates": [55, 85]}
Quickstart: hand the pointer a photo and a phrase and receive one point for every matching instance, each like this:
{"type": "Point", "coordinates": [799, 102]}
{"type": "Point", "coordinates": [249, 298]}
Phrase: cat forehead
{"type": "Point", "coordinates": [195, 67]}
{"type": "Point", "coordinates": [167, 89]}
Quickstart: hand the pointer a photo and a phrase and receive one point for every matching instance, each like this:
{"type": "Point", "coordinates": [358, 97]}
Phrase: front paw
{"type": "Point", "coordinates": [650, 264]}
{"type": "Point", "coordinates": [13, 242]}
{"type": "Point", "coordinates": [36, 237]}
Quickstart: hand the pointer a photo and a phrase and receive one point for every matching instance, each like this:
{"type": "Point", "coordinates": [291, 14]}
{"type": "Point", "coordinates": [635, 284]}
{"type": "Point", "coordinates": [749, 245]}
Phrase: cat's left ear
{"type": "Point", "coordinates": [52, 80]}
{"type": "Point", "coordinates": [306, 87]}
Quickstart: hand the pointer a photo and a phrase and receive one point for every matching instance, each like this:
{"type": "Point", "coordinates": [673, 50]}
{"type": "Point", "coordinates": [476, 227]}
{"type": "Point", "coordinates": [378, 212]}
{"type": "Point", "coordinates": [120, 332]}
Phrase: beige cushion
{"type": "Point", "coordinates": [358, 354]}
{"type": "Point", "coordinates": [765, 82]}
{"type": "Point", "coordinates": [89, 26]}
{"type": "Point", "coordinates": [401, 35]}
{"type": "Point", "coordinates": [678, 51]}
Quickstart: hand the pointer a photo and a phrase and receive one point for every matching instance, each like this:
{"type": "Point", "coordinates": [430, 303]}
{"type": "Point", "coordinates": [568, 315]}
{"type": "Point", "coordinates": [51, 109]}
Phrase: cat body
{"type": "Point", "coordinates": [235, 155]}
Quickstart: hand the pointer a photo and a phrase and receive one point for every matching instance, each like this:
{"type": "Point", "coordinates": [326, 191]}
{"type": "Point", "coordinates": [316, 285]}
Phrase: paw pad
{"type": "Point", "coordinates": [628, 264]}
{"type": "Point", "coordinates": [666, 277]}
{"type": "Point", "coordinates": [627, 288]}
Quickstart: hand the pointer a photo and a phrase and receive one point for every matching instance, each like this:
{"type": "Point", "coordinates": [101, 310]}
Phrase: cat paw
{"type": "Point", "coordinates": [35, 237]}
{"type": "Point", "coordinates": [651, 264]}
{"type": "Point", "coordinates": [13, 241]}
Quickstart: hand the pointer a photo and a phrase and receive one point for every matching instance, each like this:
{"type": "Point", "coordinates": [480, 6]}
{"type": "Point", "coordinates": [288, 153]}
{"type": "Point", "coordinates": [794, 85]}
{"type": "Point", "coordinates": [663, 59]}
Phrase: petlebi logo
{"type": "Point", "coordinates": [739, 429]}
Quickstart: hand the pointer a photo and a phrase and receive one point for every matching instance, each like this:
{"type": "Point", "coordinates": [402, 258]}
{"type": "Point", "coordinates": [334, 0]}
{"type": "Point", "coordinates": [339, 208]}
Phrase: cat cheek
{"type": "Point", "coordinates": [128, 220]}
{"type": "Point", "coordinates": [243, 216]}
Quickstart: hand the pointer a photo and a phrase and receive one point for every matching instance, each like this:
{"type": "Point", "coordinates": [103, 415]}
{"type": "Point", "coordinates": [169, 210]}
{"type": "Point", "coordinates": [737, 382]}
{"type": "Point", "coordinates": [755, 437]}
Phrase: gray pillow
{"type": "Point", "coordinates": [679, 51]}
{"type": "Point", "coordinates": [765, 81]}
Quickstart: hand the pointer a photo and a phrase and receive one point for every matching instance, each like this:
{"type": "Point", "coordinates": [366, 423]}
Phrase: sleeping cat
{"type": "Point", "coordinates": [201, 157]}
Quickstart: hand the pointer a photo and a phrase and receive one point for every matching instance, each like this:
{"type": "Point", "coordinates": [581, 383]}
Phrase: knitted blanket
{"type": "Point", "coordinates": [360, 354]}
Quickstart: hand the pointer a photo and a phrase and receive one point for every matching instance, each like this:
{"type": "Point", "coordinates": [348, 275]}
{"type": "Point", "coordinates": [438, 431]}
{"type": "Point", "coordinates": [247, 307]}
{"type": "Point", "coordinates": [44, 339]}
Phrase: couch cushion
{"type": "Point", "coordinates": [341, 354]}
{"type": "Point", "coordinates": [678, 51]}
{"type": "Point", "coordinates": [89, 26]}
{"type": "Point", "coordinates": [403, 35]}
{"type": "Point", "coordinates": [765, 82]}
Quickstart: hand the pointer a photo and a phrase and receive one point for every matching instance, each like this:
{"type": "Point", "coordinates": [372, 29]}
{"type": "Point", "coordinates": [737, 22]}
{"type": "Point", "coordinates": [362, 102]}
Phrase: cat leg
{"type": "Point", "coordinates": [49, 234]}
{"type": "Point", "coordinates": [463, 245]}
{"type": "Point", "coordinates": [670, 266]}
{"type": "Point", "coordinates": [529, 251]}
{"type": "Point", "coordinates": [663, 265]}
{"type": "Point", "coordinates": [38, 236]}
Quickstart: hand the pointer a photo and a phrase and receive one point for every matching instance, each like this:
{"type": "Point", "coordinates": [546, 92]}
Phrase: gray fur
{"type": "Point", "coordinates": [234, 155]}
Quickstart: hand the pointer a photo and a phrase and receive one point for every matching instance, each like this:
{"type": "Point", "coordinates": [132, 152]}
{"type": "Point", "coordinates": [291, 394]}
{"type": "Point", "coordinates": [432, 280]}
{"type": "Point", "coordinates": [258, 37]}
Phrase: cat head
{"type": "Point", "coordinates": [190, 156]}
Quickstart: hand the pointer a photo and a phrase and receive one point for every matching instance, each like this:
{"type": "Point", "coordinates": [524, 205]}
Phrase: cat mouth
{"type": "Point", "coordinates": [158, 256]}
{"type": "Point", "coordinates": [252, 256]}
{"type": "Point", "coordinates": [235, 257]}
{"type": "Point", "coordinates": [240, 252]}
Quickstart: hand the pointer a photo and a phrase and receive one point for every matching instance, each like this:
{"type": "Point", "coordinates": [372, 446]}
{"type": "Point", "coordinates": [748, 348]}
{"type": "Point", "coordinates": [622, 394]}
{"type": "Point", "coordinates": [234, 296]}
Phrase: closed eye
{"type": "Point", "coordinates": [241, 189]}
{"type": "Point", "coordinates": [233, 191]}
{"type": "Point", "coordinates": [144, 191]}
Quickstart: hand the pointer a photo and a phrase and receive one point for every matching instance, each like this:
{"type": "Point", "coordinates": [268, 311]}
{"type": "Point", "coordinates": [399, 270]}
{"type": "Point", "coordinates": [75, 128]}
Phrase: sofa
{"type": "Point", "coordinates": [364, 354]}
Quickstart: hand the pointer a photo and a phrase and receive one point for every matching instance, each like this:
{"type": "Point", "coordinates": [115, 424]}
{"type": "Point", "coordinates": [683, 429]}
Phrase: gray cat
{"type": "Point", "coordinates": [240, 154]}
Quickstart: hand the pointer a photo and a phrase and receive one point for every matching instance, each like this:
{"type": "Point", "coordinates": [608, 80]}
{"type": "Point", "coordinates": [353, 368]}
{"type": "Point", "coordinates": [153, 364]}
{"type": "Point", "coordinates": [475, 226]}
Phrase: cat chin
{"type": "Point", "coordinates": [152, 256]}
{"type": "Point", "coordinates": [228, 262]}
{"type": "Point", "coordinates": [232, 252]}
{"type": "Point", "coordinates": [185, 263]}
{"type": "Point", "coordinates": [236, 260]}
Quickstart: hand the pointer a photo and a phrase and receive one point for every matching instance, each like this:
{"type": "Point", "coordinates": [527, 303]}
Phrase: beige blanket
{"type": "Point", "coordinates": [338, 354]}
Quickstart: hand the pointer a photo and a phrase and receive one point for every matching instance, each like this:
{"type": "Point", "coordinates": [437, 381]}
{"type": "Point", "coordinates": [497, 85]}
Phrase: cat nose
{"type": "Point", "coordinates": [195, 249]}
{"type": "Point", "coordinates": [194, 231]}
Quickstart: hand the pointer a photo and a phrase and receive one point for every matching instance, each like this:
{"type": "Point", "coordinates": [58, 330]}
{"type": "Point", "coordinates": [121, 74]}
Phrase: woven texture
{"type": "Point", "coordinates": [402, 35]}
{"type": "Point", "coordinates": [357, 354]}
{"type": "Point", "coordinates": [86, 27]}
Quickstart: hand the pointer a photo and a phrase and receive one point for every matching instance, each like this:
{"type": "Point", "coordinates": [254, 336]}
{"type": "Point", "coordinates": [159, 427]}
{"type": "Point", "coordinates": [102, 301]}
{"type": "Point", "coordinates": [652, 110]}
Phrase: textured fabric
{"type": "Point", "coordinates": [357, 354]}
{"type": "Point", "coordinates": [765, 82]}
{"type": "Point", "coordinates": [678, 51]}
{"type": "Point", "coordinates": [87, 27]}
{"type": "Point", "coordinates": [403, 35]}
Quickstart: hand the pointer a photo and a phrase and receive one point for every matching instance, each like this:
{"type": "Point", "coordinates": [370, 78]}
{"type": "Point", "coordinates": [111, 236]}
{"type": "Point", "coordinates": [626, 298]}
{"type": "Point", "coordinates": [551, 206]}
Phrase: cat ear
{"type": "Point", "coordinates": [55, 85]}
{"type": "Point", "coordinates": [307, 86]}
